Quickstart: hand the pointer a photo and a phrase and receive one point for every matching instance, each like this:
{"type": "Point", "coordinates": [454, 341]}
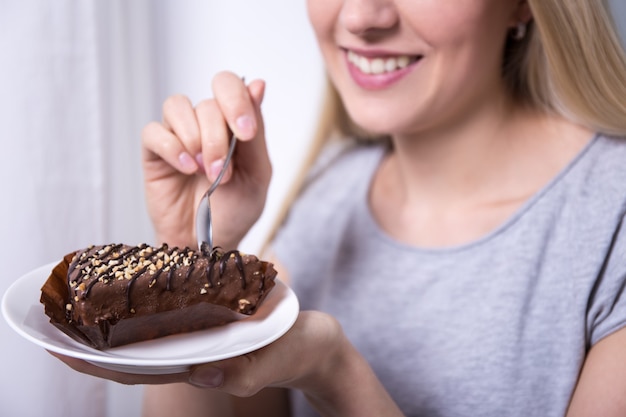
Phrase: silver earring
{"type": "Point", "coordinates": [520, 31]}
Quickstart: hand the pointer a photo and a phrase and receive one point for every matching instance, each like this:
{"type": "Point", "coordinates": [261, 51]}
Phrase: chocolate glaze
{"type": "Point", "coordinates": [118, 294]}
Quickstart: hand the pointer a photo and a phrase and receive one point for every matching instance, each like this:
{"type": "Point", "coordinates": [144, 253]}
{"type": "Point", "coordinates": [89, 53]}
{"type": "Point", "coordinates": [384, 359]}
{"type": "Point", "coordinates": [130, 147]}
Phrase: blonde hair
{"type": "Point", "coordinates": [571, 63]}
{"type": "Point", "coordinates": [575, 63]}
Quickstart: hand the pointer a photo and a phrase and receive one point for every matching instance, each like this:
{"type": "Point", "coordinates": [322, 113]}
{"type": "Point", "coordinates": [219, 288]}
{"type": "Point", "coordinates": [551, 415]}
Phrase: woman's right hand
{"type": "Point", "coordinates": [183, 155]}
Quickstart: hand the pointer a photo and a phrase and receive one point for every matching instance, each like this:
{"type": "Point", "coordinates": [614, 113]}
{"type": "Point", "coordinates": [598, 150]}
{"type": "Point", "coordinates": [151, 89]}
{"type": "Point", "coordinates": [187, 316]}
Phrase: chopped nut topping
{"type": "Point", "coordinates": [243, 303]}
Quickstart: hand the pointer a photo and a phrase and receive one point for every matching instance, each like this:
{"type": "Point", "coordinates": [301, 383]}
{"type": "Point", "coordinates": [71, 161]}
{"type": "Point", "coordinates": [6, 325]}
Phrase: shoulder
{"type": "Point", "coordinates": [606, 155]}
{"type": "Point", "coordinates": [593, 207]}
{"type": "Point", "coordinates": [600, 170]}
{"type": "Point", "coordinates": [342, 165]}
{"type": "Point", "coordinates": [343, 154]}
{"type": "Point", "coordinates": [601, 176]}
{"type": "Point", "coordinates": [335, 189]}
{"type": "Point", "coordinates": [588, 198]}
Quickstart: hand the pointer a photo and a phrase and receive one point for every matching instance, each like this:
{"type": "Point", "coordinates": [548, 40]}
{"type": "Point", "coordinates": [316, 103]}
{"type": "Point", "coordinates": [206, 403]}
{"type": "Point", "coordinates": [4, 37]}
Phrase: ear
{"type": "Point", "coordinates": [522, 13]}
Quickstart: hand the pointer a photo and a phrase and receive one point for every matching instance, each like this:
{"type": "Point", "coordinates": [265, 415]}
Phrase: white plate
{"type": "Point", "coordinates": [172, 354]}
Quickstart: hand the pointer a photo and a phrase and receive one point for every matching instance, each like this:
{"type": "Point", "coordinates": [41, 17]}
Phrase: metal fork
{"type": "Point", "coordinates": [204, 225]}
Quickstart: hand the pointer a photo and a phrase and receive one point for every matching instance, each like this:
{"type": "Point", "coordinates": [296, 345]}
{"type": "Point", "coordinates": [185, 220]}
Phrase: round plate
{"type": "Point", "coordinates": [172, 354]}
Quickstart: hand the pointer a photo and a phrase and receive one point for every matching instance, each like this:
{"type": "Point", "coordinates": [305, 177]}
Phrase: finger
{"type": "Point", "coordinates": [257, 91]}
{"type": "Point", "coordinates": [236, 105]}
{"type": "Point", "coordinates": [159, 143]}
{"type": "Point", "coordinates": [214, 135]}
{"type": "Point", "coordinates": [85, 367]}
{"type": "Point", "coordinates": [243, 376]}
{"type": "Point", "coordinates": [179, 116]}
{"type": "Point", "coordinates": [252, 156]}
{"type": "Point", "coordinates": [280, 364]}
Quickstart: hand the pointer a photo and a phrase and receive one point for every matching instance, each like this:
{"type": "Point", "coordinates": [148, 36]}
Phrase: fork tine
{"type": "Point", "coordinates": [204, 226]}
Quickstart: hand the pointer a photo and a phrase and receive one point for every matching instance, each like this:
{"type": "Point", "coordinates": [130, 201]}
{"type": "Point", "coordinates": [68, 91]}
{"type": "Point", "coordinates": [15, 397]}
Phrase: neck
{"type": "Point", "coordinates": [448, 186]}
{"type": "Point", "coordinates": [452, 161]}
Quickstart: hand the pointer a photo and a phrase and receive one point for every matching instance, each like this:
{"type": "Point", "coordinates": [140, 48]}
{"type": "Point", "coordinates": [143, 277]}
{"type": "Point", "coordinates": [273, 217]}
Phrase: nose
{"type": "Point", "coordinates": [367, 16]}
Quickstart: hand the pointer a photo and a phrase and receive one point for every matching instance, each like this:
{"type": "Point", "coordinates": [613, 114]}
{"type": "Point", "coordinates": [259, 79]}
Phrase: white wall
{"type": "Point", "coordinates": [619, 11]}
{"type": "Point", "coordinates": [266, 39]}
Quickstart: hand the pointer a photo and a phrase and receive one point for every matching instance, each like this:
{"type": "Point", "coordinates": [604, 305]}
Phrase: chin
{"type": "Point", "coordinates": [379, 123]}
{"type": "Point", "coordinates": [385, 114]}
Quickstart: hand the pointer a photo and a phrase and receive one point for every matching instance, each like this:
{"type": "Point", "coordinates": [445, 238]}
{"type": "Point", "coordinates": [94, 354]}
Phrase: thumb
{"type": "Point", "coordinates": [242, 376]}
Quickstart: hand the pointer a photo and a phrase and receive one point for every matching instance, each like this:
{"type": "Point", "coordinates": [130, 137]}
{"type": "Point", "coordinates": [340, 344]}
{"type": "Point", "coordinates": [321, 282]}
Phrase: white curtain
{"type": "Point", "coordinates": [78, 81]}
{"type": "Point", "coordinates": [76, 86]}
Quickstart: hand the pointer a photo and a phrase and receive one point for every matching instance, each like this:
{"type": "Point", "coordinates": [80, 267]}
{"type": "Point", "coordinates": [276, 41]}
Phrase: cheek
{"type": "Point", "coordinates": [464, 41]}
{"type": "Point", "coordinates": [447, 23]}
{"type": "Point", "coordinates": [321, 16]}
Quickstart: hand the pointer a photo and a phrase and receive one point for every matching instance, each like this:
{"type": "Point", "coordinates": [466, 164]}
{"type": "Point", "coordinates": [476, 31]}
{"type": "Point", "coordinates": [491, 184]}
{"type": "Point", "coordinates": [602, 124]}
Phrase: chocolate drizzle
{"type": "Point", "coordinates": [170, 274]}
{"type": "Point", "coordinates": [105, 264]}
{"type": "Point", "coordinates": [238, 264]}
{"type": "Point", "coordinates": [112, 295]}
{"type": "Point", "coordinates": [215, 256]}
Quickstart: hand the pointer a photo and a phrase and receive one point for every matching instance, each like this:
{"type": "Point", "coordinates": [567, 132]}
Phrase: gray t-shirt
{"type": "Point", "coordinates": [496, 327]}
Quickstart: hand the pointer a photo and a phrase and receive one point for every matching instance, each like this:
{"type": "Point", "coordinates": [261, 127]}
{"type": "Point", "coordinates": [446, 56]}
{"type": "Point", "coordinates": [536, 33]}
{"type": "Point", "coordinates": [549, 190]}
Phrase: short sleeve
{"type": "Point", "coordinates": [607, 306]}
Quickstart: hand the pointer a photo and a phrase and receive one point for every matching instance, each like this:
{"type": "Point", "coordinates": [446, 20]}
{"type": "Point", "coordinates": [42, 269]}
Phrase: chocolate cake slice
{"type": "Point", "coordinates": [112, 295]}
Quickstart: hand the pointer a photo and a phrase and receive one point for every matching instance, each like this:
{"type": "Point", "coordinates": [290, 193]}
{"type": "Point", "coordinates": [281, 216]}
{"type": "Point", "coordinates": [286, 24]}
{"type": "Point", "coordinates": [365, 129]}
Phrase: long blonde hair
{"type": "Point", "coordinates": [570, 63]}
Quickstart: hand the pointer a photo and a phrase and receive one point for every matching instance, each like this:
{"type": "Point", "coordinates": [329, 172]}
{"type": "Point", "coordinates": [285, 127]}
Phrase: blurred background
{"type": "Point", "coordinates": [78, 81]}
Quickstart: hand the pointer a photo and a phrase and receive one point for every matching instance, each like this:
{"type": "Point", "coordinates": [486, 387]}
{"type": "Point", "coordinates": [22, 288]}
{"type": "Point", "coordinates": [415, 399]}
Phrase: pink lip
{"type": "Point", "coordinates": [376, 81]}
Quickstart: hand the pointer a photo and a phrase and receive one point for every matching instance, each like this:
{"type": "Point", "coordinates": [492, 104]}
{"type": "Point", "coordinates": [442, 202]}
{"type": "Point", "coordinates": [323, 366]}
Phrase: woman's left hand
{"type": "Point", "coordinates": [314, 339]}
{"type": "Point", "coordinates": [314, 356]}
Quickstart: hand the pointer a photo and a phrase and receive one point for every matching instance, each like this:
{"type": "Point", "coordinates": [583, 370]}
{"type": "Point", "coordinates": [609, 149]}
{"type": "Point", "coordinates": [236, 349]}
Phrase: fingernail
{"type": "Point", "coordinates": [207, 377]}
{"type": "Point", "coordinates": [186, 161]}
{"type": "Point", "coordinates": [246, 126]}
{"type": "Point", "coordinates": [215, 168]}
{"type": "Point", "coordinates": [200, 162]}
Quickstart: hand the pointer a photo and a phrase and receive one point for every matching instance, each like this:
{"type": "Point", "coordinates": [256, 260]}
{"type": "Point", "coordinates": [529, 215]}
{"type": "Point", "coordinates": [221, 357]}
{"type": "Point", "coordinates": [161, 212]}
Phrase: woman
{"type": "Point", "coordinates": [468, 257]}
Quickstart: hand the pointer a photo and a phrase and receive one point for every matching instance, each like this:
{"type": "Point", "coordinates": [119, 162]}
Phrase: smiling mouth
{"type": "Point", "coordinates": [380, 65]}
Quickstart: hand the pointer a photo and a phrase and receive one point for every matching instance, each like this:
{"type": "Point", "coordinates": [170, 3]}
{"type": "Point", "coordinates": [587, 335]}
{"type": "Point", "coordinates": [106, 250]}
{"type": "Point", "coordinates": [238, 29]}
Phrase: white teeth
{"type": "Point", "coordinates": [378, 65]}
{"type": "Point", "coordinates": [364, 64]}
{"type": "Point", "coordinates": [403, 61]}
{"type": "Point", "coordinates": [391, 65]}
